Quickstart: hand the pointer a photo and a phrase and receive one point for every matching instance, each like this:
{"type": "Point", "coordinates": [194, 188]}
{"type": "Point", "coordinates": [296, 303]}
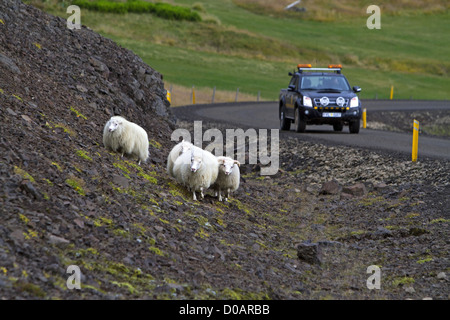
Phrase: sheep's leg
{"type": "Point", "coordinates": [201, 193]}
{"type": "Point", "coordinates": [220, 195]}
{"type": "Point", "coordinates": [227, 195]}
{"type": "Point", "coordinates": [195, 197]}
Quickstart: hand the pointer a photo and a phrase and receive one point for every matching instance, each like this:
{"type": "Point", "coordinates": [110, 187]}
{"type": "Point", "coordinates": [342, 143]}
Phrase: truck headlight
{"type": "Point", "coordinates": [307, 101]}
{"type": "Point", "coordinates": [354, 102]}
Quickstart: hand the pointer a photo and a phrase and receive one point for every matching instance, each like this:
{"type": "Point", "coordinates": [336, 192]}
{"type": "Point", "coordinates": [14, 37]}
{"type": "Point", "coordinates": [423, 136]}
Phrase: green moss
{"type": "Point", "coordinates": [17, 97]}
{"type": "Point", "coordinates": [402, 281]}
{"type": "Point", "coordinates": [98, 222]}
{"type": "Point", "coordinates": [240, 205]}
{"type": "Point", "coordinates": [122, 167]}
{"type": "Point", "coordinates": [30, 234]}
{"type": "Point", "coordinates": [87, 252]}
{"type": "Point", "coordinates": [23, 174]}
{"type": "Point", "coordinates": [57, 166]}
{"type": "Point", "coordinates": [121, 232]}
{"type": "Point", "coordinates": [48, 182]}
{"type": "Point", "coordinates": [23, 218]}
{"type": "Point", "coordinates": [356, 233]}
{"type": "Point", "coordinates": [178, 191]}
{"type": "Point", "coordinates": [66, 129]}
{"type": "Point", "coordinates": [371, 201]}
{"type": "Point", "coordinates": [439, 220]}
{"type": "Point", "coordinates": [427, 259]}
{"type": "Point", "coordinates": [412, 215]}
{"type": "Point", "coordinates": [164, 221]}
{"type": "Point", "coordinates": [77, 185]}
{"type": "Point", "coordinates": [156, 251]}
{"type": "Point", "coordinates": [87, 286]}
{"type": "Point", "coordinates": [155, 144]}
{"type": "Point", "coordinates": [147, 177]}
{"type": "Point", "coordinates": [201, 233]}
{"type": "Point", "coordinates": [30, 288]}
{"type": "Point", "coordinates": [261, 244]}
{"type": "Point", "coordinates": [238, 294]}
{"type": "Point", "coordinates": [83, 154]}
{"type": "Point", "coordinates": [126, 285]}
{"type": "Point", "coordinates": [220, 222]}
{"type": "Point", "coordinates": [78, 114]}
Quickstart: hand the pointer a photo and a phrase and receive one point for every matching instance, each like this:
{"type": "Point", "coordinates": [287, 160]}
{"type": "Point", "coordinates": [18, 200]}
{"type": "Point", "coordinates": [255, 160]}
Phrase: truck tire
{"type": "Point", "coordinates": [285, 124]}
{"type": "Point", "coordinates": [300, 123]}
{"type": "Point", "coordinates": [354, 126]}
{"type": "Point", "coordinates": [338, 126]}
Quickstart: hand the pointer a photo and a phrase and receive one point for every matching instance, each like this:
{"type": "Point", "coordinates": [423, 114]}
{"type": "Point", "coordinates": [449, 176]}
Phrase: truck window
{"type": "Point", "coordinates": [324, 82]}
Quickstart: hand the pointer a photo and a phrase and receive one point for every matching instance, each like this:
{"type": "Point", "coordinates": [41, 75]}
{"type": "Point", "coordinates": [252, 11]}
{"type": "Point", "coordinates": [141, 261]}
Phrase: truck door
{"type": "Point", "coordinates": [291, 96]}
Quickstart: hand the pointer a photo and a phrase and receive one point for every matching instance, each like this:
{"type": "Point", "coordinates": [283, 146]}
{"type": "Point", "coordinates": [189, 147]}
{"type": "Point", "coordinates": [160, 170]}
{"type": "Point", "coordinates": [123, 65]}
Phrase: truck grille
{"type": "Point", "coordinates": [331, 104]}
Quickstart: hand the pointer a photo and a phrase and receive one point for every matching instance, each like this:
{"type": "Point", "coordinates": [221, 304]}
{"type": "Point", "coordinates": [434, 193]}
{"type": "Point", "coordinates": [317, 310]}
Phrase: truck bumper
{"type": "Point", "coordinates": [320, 115]}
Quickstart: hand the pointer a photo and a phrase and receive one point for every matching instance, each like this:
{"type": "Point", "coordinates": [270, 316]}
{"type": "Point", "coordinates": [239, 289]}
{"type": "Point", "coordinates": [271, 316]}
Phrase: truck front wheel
{"type": "Point", "coordinates": [300, 123]}
{"type": "Point", "coordinates": [285, 124]}
{"type": "Point", "coordinates": [353, 126]}
{"type": "Point", "coordinates": [338, 126]}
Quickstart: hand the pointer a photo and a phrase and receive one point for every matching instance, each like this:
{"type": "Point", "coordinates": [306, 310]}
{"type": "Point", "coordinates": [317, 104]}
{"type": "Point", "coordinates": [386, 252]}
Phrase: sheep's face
{"type": "Point", "coordinates": [114, 124]}
{"type": "Point", "coordinates": [227, 165]}
{"type": "Point", "coordinates": [185, 146]}
{"type": "Point", "coordinates": [196, 163]}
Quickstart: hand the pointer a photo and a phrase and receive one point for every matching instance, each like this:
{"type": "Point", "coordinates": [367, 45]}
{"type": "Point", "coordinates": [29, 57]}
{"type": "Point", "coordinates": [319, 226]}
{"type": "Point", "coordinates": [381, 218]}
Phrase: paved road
{"type": "Point", "coordinates": [265, 115]}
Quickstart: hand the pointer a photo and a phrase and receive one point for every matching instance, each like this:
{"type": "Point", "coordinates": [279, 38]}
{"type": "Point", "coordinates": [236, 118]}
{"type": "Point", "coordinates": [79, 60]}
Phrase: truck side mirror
{"type": "Point", "coordinates": [356, 89]}
{"type": "Point", "coordinates": [291, 87]}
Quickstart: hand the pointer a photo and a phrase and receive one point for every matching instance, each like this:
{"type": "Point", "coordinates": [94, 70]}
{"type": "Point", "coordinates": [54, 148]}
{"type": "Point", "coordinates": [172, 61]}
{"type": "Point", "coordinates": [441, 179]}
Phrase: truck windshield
{"type": "Point", "coordinates": [320, 82]}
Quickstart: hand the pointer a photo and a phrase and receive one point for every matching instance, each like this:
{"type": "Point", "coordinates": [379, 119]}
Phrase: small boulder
{"type": "Point", "coordinates": [330, 187]}
{"type": "Point", "coordinates": [309, 252]}
{"type": "Point", "coordinates": [357, 190]}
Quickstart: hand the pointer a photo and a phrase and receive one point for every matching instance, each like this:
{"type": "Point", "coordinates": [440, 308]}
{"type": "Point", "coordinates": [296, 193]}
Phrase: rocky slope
{"type": "Point", "coordinates": [308, 232]}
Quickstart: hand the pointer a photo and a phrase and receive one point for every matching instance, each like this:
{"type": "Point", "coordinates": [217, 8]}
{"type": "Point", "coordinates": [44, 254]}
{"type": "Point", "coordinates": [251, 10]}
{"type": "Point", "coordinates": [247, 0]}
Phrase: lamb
{"type": "Point", "coordinates": [125, 137]}
{"type": "Point", "coordinates": [197, 170]}
{"type": "Point", "coordinates": [228, 177]}
{"type": "Point", "coordinates": [176, 151]}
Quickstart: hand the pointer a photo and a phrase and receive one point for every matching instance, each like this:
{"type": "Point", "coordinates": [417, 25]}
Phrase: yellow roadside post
{"type": "Point", "coordinates": [415, 143]}
{"type": "Point", "coordinates": [392, 92]}
{"type": "Point", "coordinates": [193, 95]}
{"type": "Point", "coordinates": [364, 117]}
{"type": "Point", "coordinates": [169, 98]}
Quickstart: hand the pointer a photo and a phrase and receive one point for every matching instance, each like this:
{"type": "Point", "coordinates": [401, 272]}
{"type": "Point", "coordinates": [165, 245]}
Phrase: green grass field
{"type": "Point", "coordinates": [235, 48]}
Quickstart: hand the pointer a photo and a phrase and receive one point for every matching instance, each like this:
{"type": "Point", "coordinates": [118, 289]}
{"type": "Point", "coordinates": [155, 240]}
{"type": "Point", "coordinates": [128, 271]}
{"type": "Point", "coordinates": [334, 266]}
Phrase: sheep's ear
{"type": "Point", "coordinates": [237, 162]}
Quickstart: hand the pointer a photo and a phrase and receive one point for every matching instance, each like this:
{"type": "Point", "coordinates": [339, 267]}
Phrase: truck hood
{"type": "Point", "coordinates": [330, 94]}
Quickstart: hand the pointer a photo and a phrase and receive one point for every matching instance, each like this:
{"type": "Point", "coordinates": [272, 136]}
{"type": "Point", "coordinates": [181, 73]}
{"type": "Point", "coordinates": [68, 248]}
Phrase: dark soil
{"type": "Point", "coordinates": [136, 234]}
{"type": "Point", "coordinates": [431, 122]}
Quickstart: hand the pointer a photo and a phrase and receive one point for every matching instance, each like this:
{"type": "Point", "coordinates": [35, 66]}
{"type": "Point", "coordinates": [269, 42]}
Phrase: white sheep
{"type": "Point", "coordinates": [176, 151]}
{"type": "Point", "coordinates": [197, 170]}
{"type": "Point", "coordinates": [126, 137]}
{"type": "Point", "coordinates": [228, 177]}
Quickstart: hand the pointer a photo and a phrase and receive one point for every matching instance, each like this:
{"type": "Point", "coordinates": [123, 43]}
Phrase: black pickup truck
{"type": "Point", "coordinates": [319, 96]}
